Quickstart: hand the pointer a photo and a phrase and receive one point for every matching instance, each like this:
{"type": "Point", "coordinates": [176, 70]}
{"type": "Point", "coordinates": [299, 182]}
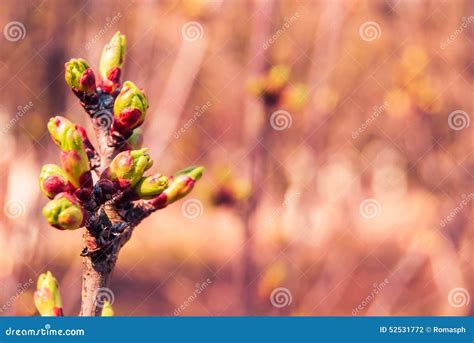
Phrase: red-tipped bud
{"type": "Point", "coordinates": [73, 156]}
{"type": "Point", "coordinates": [111, 63]}
{"type": "Point", "coordinates": [64, 212]}
{"type": "Point", "coordinates": [129, 108]}
{"type": "Point", "coordinates": [47, 298]}
{"type": "Point", "coordinates": [79, 76]}
{"type": "Point", "coordinates": [180, 185]}
{"type": "Point", "coordinates": [53, 180]}
{"type": "Point", "coordinates": [127, 168]}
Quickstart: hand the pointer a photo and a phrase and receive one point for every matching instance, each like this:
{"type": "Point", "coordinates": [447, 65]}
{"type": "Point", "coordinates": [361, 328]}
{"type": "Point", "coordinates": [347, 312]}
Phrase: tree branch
{"type": "Point", "coordinates": [111, 208]}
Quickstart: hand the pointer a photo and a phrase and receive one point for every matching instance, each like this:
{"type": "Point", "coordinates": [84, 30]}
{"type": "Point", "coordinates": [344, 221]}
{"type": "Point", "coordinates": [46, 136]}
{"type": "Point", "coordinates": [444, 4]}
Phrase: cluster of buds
{"type": "Point", "coordinates": [123, 195]}
{"type": "Point", "coordinates": [70, 186]}
{"type": "Point", "coordinates": [74, 159]}
{"type": "Point", "coordinates": [47, 298]}
{"type": "Point", "coordinates": [274, 88]}
{"type": "Point", "coordinates": [130, 102]}
{"type": "Point", "coordinates": [126, 173]}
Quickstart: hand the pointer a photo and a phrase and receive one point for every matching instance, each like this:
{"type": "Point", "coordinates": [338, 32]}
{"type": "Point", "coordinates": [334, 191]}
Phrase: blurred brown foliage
{"type": "Point", "coordinates": [376, 173]}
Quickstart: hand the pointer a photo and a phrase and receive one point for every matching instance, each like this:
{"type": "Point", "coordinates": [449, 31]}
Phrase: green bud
{"type": "Point", "coordinates": [111, 62]}
{"type": "Point", "coordinates": [64, 134]}
{"type": "Point", "coordinates": [73, 157]}
{"type": "Point", "coordinates": [79, 76]}
{"type": "Point", "coordinates": [129, 108]}
{"type": "Point", "coordinates": [53, 180]}
{"type": "Point", "coordinates": [47, 298]}
{"type": "Point", "coordinates": [107, 309]}
{"type": "Point", "coordinates": [193, 172]}
{"type": "Point", "coordinates": [64, 213]}
{"type": "Point", "coordinates": [127, 167]}
{"type": "Point", "coordinates": [151, 186]}
{"type": "Point", "coordinates": [181, 184]}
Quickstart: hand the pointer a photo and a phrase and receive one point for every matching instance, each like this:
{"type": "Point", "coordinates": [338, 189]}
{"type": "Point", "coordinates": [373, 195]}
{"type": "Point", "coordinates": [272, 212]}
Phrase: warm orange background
{"type": "Point", "coordinates": [416, 65]}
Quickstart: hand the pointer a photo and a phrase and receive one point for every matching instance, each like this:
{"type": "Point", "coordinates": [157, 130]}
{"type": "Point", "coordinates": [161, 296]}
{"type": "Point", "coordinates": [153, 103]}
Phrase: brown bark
{"type": "Point", "coordinates": [95, 276]}
{"type": "Point", "coordinates": [111, 221]}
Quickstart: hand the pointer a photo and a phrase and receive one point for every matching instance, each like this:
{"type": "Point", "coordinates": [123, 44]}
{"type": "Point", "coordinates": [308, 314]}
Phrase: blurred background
{"type": "Point", "coordinates": [354, 199]}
